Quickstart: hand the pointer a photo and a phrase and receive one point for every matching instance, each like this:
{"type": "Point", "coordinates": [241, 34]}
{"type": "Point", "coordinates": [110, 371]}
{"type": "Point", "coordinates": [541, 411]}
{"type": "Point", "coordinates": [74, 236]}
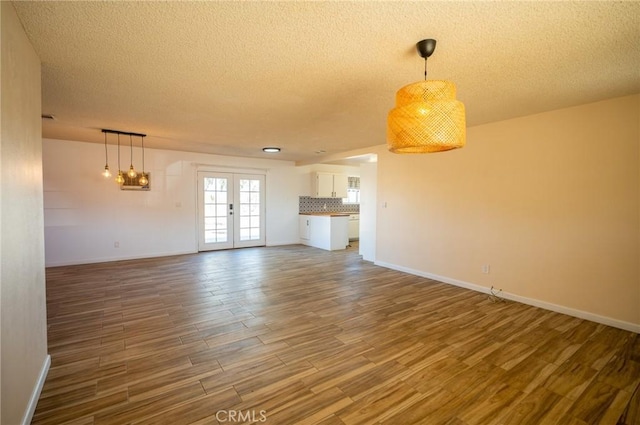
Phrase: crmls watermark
{"type": "Point", "coordinates": [241, 416]}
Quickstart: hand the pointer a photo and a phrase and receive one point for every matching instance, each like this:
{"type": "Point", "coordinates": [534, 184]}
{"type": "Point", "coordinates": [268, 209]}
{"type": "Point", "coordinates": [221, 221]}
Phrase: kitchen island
{"type": "Point", "coordinates": [328, 231]}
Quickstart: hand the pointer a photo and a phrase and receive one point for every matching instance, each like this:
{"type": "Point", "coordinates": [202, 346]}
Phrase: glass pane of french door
{"type": "Point", "coordinates": [249, 216]}
{"type": "Point", "coordinates": [215, 200]}
{"type": "Point", "coordinates": [231, 210]}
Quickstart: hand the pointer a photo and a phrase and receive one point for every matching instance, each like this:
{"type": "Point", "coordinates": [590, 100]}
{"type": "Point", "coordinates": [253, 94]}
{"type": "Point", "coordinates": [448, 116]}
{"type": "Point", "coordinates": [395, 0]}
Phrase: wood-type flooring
{"type": "Point", "coordinates": [298, 335]}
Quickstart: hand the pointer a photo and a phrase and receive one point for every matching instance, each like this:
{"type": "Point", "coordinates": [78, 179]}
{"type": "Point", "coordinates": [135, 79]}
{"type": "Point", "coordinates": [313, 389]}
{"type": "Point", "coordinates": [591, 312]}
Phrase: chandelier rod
{"type": "Point", "coordinates": [126, 133]}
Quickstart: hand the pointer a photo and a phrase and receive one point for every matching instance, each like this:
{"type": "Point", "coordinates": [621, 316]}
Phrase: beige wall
{"type": "Point", "coordinates": [549, 201]}
{"type": "Point", "coordinates": [22, 283]}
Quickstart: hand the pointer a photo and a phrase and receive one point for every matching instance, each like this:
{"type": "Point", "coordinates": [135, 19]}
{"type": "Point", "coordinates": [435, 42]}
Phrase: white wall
{"type": "Point", "coordinates": [368, 210]}
{"type": "Point", "coordinates": [24, 359]}
{"type": "Point", "coordinates": [550, 201]}
{"type": "Point", "coordinates": [85, 213]}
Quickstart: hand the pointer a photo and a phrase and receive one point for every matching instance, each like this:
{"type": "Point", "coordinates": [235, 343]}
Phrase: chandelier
{"type": "Point", "coordinates": [427, 117]}
{"type": "Point", "coordinates": [131, 177]}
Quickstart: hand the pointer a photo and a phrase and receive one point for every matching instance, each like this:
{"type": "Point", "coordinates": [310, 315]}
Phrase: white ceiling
{"type": "Point", "coordinates": [232, 77]}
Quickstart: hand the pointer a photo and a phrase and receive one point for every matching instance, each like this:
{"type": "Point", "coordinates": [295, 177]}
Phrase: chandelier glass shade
{"type": "Point", "coordinates": [427, 117]}
{"type": "Point", "coordinates": [132, 173]}
{"type": "Point", "coordinates": [143, 181]}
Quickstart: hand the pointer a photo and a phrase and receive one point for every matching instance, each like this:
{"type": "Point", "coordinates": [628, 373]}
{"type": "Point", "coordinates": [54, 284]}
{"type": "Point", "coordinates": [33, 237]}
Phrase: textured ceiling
{"type": "Point", "coordinates": [232, 77]}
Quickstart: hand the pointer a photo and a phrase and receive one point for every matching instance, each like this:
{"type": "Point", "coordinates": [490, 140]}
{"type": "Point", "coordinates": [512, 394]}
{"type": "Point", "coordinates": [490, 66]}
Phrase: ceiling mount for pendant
{"type": "Point", "coordinates": [426, 47]}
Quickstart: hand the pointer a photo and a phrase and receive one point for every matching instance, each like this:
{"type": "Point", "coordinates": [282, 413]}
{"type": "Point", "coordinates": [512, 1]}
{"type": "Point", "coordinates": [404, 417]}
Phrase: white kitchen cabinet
{"type": "Point", "coordinates": [354, 227]}
{"type": "Point", "coordinates": [329, 185]}
{"type": "Point", "coordinates": [304, 228]}
{"type": "Point", "coordinates": [340, 185]}
{"type": "Point", "coordinates": [322, 185]}
{"type": "Point", "coordinates": [325, 231]}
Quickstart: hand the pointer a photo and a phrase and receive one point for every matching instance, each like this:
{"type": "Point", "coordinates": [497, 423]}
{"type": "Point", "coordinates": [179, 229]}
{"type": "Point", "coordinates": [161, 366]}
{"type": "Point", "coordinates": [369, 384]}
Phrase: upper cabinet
{"type": "Point", "coordinates": [329, 185]}
{"type": "Point", "coordinates": [340, 185]}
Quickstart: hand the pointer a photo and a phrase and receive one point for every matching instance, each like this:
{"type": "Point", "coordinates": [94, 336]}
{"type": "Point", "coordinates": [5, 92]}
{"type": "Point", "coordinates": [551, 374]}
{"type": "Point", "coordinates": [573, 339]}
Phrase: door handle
{"type": "Point", "coordinates": [230, 209]}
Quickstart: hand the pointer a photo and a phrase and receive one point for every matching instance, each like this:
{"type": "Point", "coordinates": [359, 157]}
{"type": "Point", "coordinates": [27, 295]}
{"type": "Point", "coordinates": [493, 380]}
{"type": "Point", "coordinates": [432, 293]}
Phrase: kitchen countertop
{"type": "Point", "coordinates": [329, 214]}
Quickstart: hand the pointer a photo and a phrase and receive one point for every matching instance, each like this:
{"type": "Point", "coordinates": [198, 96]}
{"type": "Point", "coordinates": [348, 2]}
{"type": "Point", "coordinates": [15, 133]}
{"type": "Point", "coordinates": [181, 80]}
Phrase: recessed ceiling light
{"type": "Point", "coordinates": [321, 151]}
{"type": "Point", "coordinates": [271, 149]}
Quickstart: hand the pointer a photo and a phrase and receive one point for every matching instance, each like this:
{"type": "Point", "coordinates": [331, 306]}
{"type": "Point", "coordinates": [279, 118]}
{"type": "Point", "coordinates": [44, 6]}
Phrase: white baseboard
{"type": "Point", "coordinates": [35, 395]}
{"type": "Point", "coordinates": [283, 243]}
{"type": "Point", "coordinates": [620, 324]}
{"type": "Point", "coordinates": [116, 258]}
{"type": "Point", "coordinates": [139, 257]}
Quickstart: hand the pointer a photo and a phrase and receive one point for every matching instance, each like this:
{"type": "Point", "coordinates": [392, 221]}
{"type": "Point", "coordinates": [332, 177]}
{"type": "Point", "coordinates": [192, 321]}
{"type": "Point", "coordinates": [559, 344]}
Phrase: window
{"type": "Point", "coordinates": [353, 191]}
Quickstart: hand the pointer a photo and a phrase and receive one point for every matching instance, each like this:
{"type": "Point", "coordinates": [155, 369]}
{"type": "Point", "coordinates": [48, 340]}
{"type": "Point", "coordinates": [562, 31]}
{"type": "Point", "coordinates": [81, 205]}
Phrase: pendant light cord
{"type": "Point", "coordinates": [142, 155]}
{"type": "Point", "coordinates": [119, 169]}
{"type": "Point", "coordinates": [425, 69]}
{"type": "Point", "coordinates": [106, 154]}
{"type": "Point", "coordinates": [131, 147]}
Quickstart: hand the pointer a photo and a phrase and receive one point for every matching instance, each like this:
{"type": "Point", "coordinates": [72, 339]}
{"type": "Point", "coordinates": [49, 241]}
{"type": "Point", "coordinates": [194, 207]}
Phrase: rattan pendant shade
{"type": "Point", "coordinates": [427, 117]}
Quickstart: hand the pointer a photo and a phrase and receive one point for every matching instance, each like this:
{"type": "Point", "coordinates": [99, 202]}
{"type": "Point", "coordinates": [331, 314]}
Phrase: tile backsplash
{"type": "Point", "coordinates": [308, 204]}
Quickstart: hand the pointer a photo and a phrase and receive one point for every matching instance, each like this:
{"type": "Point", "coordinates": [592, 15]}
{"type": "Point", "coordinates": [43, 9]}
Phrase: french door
{"type": "Point", "coordinates": [231, 210]}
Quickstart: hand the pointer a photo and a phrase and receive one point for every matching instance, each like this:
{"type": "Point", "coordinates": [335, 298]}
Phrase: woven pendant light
{"type": "Point", "coordinates": [427, 117]}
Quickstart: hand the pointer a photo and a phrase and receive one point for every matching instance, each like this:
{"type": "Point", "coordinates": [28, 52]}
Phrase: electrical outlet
{"type": "Point", "coordinates": [486, 268]}
{"type": "Point", "coordinates": [116, 244]}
